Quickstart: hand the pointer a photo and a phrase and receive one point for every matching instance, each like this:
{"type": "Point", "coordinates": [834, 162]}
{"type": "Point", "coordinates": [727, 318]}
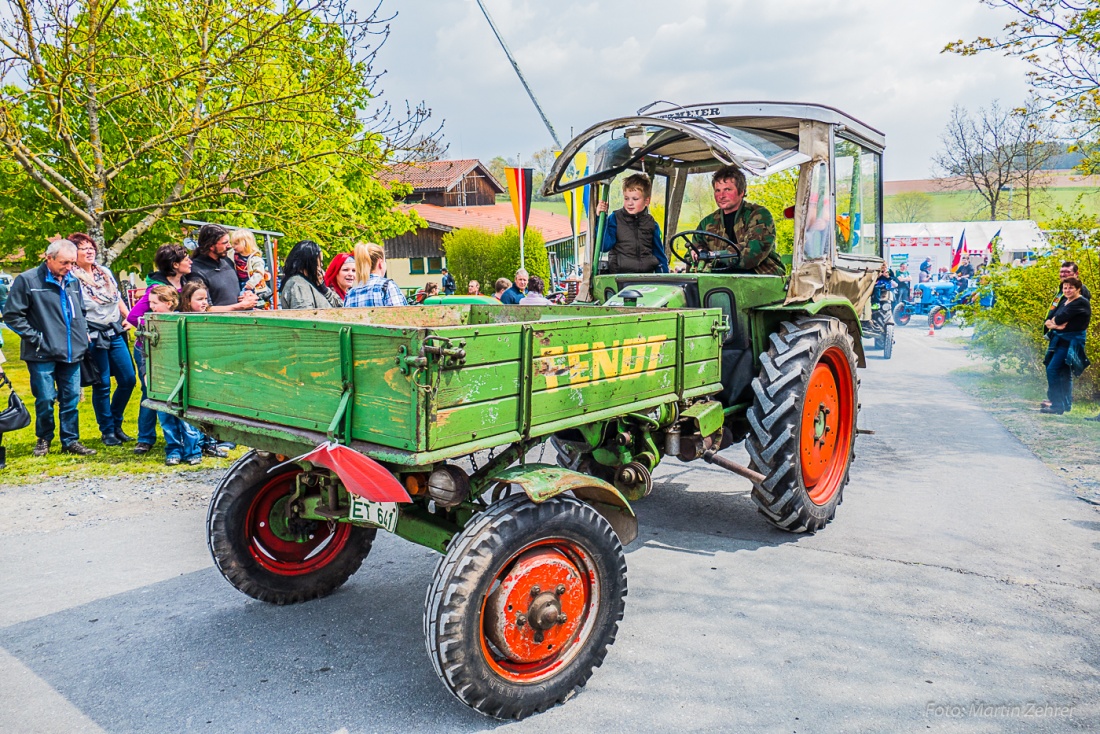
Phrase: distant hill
{"type": "Point", "coordinates": [1057, 179]}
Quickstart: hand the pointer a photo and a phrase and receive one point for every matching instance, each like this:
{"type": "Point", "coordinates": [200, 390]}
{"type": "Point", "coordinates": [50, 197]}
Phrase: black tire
{"type": "Point", "coordinates": [901, 315]}
{"type": "Point", "coordinates": [795, 496]}
{"type": "Point", "coordinates": [253, 557]}
{"type": "Point", "coordinates": [466, 623]}
{"type": "Point", "coordinates": [888, 342]}
{"type": "Point", "coordinates": [937, 317]}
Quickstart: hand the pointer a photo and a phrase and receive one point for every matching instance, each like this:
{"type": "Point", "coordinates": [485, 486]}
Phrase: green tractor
{"type": "Point", "coordinates": [793, 342]}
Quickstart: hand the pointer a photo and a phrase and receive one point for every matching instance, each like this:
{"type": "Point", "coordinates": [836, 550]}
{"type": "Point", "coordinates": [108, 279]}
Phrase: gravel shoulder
{"type": "Point", "coordinates": [66, 503]}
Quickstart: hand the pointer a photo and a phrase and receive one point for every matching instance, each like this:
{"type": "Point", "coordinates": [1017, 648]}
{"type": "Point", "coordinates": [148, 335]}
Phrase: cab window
{"type": "Point", "coordinates": [858, 188]}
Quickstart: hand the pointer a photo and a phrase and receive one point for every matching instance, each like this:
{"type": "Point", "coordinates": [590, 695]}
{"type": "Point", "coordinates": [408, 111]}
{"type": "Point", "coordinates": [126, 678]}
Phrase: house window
{"type": "Point", "coordinates": [416, 265]}
{"type": "Point", "coordinates": [435, 265]}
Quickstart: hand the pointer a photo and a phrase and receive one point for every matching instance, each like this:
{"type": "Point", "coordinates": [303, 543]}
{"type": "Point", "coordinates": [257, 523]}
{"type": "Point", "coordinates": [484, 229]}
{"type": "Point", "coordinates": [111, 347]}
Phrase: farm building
{"type": "Point", "coordinates": [450, 195]}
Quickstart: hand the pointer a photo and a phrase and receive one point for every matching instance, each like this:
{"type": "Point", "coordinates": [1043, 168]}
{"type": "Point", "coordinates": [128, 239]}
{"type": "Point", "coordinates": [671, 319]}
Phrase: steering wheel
{"type": "Point", "coordinates": [703, 256]}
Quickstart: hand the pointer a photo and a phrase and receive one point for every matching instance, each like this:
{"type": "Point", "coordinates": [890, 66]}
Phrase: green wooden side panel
{"type": "Point", "coordinates": [281, 375]}
{"type": "Point", "coordinates": [164, 364]}
{"type": "Point", "coordinates": [384, 410]}
{"type": "Point", "coordinates": [452, 426]}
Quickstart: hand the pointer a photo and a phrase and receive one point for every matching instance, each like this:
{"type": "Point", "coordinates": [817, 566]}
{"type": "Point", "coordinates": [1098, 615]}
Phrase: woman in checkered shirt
{"type": "Point", "coordinates": [372, 287]}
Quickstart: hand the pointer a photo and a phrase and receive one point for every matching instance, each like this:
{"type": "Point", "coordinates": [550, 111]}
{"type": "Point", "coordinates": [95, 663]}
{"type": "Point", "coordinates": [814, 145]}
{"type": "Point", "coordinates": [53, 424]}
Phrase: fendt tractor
{"type": "Point", "coordinates": [420, 421]}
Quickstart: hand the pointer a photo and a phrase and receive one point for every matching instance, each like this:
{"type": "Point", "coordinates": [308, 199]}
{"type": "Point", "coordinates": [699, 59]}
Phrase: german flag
{"type": "Point", "coordinates": [519, 190]}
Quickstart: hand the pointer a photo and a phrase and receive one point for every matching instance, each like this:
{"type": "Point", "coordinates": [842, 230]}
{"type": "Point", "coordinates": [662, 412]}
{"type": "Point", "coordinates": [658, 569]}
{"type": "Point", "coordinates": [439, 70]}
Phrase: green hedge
{"type": "Point", "coordinates": [474, 254]}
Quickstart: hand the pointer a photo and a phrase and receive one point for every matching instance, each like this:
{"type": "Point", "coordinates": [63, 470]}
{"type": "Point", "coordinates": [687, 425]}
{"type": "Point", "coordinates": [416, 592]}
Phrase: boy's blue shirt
{"type": "Point", "coordinates": [610, 236]}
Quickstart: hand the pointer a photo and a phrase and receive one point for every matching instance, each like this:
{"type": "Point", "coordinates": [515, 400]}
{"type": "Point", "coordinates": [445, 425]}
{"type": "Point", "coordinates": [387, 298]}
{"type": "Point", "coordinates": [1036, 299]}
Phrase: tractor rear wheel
{"type": "Point", "coordinates": [803, 422]}
{"type": "Point", "coordinates": [267, 555]}
{"type": "Point", "coordinates": [524, 604]}
{"type": "Point", "coordinates": [888, 342]}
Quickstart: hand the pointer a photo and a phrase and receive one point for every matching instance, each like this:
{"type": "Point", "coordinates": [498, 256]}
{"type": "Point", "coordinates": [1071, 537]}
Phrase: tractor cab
{"type": "Point", "coordinates": [830, 166]}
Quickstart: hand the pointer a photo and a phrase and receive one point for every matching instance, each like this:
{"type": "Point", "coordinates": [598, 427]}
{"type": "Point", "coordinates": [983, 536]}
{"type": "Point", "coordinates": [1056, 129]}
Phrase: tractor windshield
{"type": "Point", "coordinates": [659, 146]}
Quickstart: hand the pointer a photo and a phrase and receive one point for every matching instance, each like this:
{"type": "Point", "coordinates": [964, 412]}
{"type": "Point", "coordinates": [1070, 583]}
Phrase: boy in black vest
{"type": "Point", "coordinates": [632, 235]}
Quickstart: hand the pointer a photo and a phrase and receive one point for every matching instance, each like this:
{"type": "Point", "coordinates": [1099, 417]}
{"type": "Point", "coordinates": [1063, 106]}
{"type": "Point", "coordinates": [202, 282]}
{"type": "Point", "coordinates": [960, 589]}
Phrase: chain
{"type": "Point", "coordinates": [542, 451]}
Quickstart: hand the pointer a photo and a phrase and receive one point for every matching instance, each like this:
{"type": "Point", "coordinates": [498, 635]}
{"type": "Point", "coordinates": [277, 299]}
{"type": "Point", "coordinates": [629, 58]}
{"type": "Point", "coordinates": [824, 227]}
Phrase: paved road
{"type": "Point", "coordinates": [960, 571]}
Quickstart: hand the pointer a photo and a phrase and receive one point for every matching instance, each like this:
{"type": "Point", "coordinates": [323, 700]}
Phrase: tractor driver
{"type": "Point", "coordinates": [749, 225]}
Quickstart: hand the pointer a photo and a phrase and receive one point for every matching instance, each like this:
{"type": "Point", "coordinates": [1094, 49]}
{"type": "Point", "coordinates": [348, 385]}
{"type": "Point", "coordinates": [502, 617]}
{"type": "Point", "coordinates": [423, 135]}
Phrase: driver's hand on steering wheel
{"type": "Point", "coordinates": [694, 254]}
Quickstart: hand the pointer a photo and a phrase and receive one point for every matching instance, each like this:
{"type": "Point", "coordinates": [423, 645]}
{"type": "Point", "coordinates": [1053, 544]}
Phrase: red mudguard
{"type": "Point", "coordinates": [361, 475]}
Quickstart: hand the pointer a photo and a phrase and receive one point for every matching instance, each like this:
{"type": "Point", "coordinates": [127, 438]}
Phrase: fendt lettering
{"type": "Point", "coordinates": [582, 363]}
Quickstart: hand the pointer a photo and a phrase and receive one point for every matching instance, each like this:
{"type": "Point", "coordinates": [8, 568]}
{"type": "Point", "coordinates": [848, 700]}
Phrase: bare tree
{"type": "Point", "coordinates": [910, 206]}
{"type": "Point", "coordinates": [1038, 147]}
{"type": "Point", "coordinates": [997, 150]}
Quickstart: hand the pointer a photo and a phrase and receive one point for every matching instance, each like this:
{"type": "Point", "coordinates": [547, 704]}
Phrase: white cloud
{"type": "Point", "coordinates": [878, 60]}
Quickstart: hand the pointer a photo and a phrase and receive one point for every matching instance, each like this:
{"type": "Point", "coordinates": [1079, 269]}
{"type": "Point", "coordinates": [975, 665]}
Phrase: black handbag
{"type": "Point", "coordinates": [16, 416]}
{"type": "Point", "coordinates": [89, 368]}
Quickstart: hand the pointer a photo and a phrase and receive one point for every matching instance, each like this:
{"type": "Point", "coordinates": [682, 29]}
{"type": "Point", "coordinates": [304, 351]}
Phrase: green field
{"type": "Point", "coordinates": [965, 206]}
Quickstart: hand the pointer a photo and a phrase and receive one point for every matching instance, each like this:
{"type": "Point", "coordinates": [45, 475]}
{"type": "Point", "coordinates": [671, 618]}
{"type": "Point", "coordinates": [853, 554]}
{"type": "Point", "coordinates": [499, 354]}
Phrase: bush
{"type": "Point", "coordinates": [1011, 332]}
{"type": "Point", "coordinates": [474, 254]}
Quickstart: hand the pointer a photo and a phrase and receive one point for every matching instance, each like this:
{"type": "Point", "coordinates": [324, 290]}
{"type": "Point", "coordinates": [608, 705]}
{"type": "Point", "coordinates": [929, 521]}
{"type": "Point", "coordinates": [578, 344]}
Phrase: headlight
{"type": "Point", "coordinates": [448, 486]}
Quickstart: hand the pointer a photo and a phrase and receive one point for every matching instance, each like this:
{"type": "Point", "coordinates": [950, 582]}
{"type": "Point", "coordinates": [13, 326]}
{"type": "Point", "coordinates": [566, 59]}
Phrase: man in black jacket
{"type": "Point", "coordinates": [46, 309]}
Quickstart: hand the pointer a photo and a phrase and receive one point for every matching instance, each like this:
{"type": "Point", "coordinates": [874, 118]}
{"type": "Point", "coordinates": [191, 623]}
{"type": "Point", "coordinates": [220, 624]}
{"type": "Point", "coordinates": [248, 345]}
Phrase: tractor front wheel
{"type": "Point", "coordinates": [268, 555]}
{"type": "Point", "coordinates": [524, 605]}
{"type": "Point", "coordinates": [803, 423]}
{"type": "Point", "coordinates": [937, 317]}
{"type": "Point", "coordinates": [888, 342]}
{"type": "Point", "coordinates": [902, 314]}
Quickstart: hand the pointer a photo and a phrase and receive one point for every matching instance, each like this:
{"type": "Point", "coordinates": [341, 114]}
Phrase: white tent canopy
{"type": "Point", "coordinates": [913, 242]}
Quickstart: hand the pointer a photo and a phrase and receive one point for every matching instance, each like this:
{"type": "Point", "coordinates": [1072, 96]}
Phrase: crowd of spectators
{"type": "Point", "coordinates": [76, 325]}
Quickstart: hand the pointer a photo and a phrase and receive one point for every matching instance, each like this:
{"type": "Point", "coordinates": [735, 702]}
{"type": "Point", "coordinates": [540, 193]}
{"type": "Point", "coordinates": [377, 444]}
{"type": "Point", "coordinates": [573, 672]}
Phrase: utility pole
{"type": "Point", "coordinates": [519, 73]}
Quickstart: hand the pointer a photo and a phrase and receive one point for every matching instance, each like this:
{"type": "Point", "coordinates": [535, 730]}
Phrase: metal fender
{"type": "Point", "coordinates": [543, 481]}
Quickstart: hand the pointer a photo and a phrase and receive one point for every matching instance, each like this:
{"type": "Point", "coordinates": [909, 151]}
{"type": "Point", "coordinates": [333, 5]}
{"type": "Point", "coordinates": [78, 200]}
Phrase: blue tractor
{"type": "Point", "coordinates": [935, 299]}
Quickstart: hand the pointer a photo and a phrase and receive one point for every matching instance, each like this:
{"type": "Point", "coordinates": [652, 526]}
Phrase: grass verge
{"type": "Point", "coordinates": [24, 468]}
{"type": "Point", "coordinates": [1066, 443]}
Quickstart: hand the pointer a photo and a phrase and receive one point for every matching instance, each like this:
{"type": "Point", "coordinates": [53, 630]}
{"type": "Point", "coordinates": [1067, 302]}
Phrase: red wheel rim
{"type": "Point", "coordinates": [540, 610]}
{"type": "Point", "coordinates": [939, 319]}
{"type": "Point", "coordinates": [308, 547]}
{"type": "Point", "coordinates": [825, 439]}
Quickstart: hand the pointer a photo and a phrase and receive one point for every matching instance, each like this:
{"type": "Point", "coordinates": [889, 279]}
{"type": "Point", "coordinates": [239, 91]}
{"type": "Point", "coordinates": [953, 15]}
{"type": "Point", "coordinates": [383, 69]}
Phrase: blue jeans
{"type": "Point", "coordinates": [1059, 379]}
{"type": "Point", "coordinates": [114, 361]}
{"type": "Point", "coordinates": [147, 419]}
{"type": "Point", "coordinates": [180, 439]}
{"type": "Point", "coordinates": [56, 382]}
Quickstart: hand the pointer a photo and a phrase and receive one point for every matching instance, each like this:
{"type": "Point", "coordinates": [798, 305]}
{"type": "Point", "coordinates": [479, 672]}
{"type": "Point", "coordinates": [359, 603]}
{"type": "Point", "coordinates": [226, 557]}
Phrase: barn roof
{"type": "Point", "coordinates": [440, 175]}
{"type": "Point", "coordinates": [553, 227]}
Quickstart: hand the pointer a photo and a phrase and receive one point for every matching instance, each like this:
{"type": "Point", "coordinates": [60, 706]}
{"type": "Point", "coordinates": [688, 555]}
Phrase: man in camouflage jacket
{"type": "Point", "coordinates": [749, 225]}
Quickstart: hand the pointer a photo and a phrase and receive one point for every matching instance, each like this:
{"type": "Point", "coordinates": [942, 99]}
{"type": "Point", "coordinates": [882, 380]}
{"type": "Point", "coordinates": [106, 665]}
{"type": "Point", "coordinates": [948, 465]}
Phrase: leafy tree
{"type": "Point", "coordinates": [910, 206]}
{"type": "Point", "coordinates": [1060, 39]}
{"type": "Point", "coordinates": [474, 254]}
{"type": "Point", "coordinates": [124, 114]}
{"type": "Point", "coordinates": [777, 192]}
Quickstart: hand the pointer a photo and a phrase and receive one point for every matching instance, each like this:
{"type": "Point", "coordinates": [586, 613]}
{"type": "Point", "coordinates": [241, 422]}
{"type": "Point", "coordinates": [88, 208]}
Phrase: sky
{"type": "Point", "coordinates": [877, 60]}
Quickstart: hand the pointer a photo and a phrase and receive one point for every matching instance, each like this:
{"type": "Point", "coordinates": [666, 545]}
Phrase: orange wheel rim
{"type": "Point", "coordinates": [539, 611]}
{"type": "Point", "coordinates": [825, 436]}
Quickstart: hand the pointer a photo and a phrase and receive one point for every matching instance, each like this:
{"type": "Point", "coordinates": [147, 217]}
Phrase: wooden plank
{"type": "Point", "coordinates": [550, 405]}
{"type": "Point", "coordinates": [296, 375]}
{"type": "Point", "coordinates": [478, 383]}
{"type": "Point", "coordinates": [385, 399]}
{"type": "Point", "coordinates": [452, 426]}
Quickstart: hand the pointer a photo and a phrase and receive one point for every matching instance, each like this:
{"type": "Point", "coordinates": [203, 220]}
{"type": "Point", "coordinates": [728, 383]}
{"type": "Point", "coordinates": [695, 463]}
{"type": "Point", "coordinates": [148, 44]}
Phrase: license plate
{"type": "Point", "coordinates": [382, 514]}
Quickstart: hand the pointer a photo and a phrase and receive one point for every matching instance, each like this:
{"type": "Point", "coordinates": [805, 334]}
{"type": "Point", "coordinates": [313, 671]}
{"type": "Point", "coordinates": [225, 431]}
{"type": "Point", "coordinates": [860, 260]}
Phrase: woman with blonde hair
{"type": "Point", "coordinates": [372, 287]}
